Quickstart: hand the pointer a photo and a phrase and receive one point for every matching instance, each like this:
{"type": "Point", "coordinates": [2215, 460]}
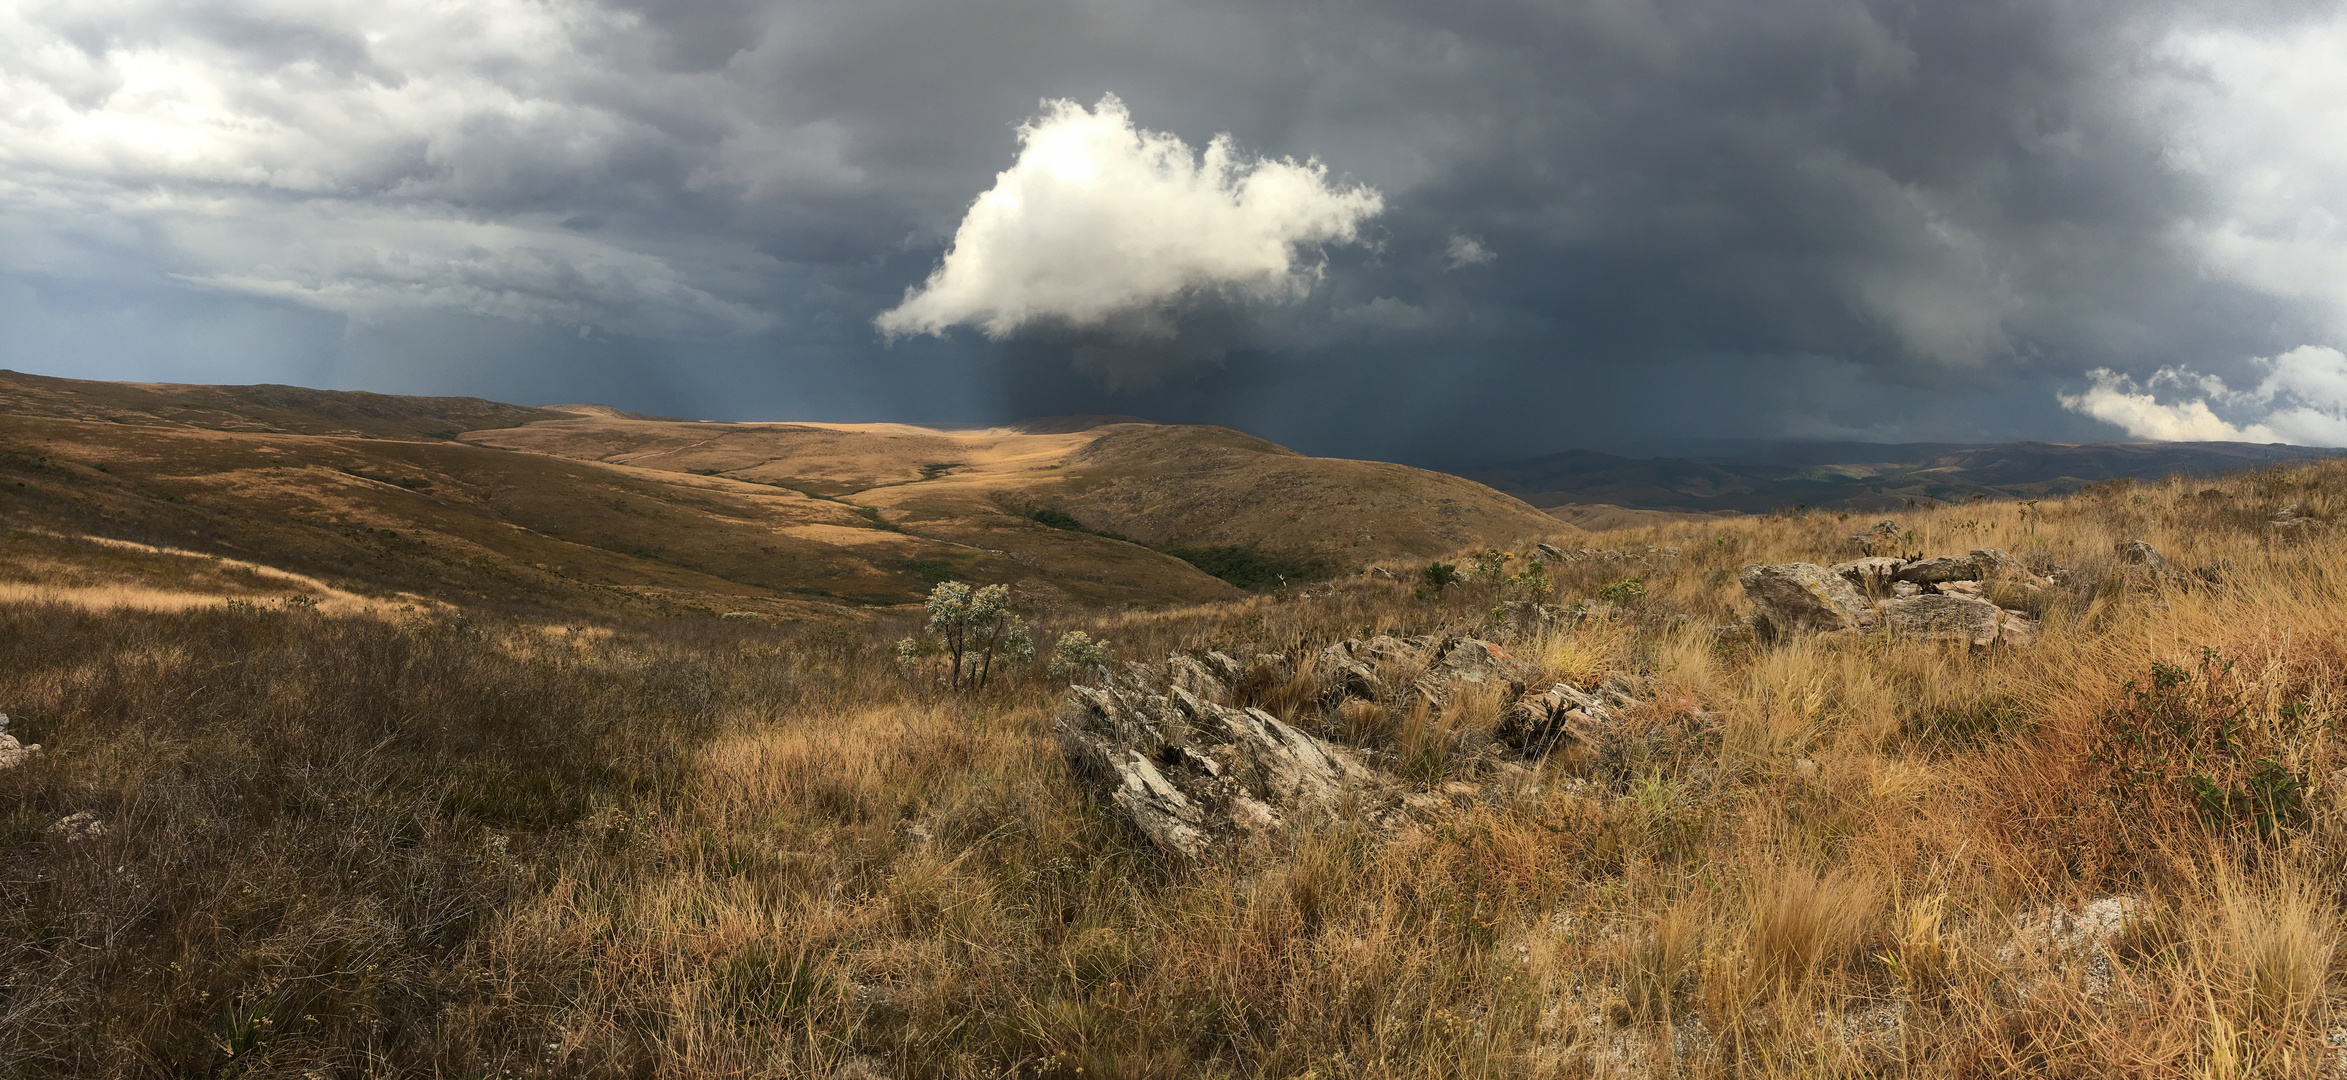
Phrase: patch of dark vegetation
{"type": "Point", "coordinates": [931, 571]}
{"type": "Point", "coordinates": [1255, 569]}
{"type": "Point", "coordinates": [935, 469]}
{"type": "Point", "coordinates": [1061, 519]}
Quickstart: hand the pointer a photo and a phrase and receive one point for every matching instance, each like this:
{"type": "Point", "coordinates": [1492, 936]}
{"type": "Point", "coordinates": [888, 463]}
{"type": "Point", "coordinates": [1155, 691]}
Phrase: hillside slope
{"type": "Point", "coordinates": [585, 508]}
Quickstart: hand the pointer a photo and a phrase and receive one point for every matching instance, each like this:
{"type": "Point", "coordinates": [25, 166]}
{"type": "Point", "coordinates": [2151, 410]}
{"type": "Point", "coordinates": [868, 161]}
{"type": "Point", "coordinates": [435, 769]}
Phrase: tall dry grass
{"type": "Point", "coordinates": [362, 845]}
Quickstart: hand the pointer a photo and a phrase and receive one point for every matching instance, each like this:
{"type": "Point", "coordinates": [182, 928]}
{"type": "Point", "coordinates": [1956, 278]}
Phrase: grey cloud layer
{"type": "Point", "coordinates": [1602, 220]}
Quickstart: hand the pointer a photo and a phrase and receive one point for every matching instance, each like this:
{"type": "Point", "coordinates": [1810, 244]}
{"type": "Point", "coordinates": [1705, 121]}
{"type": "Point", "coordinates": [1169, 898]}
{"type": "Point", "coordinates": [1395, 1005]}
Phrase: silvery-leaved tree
{"type": "Point", "coordinates": [975, 627]}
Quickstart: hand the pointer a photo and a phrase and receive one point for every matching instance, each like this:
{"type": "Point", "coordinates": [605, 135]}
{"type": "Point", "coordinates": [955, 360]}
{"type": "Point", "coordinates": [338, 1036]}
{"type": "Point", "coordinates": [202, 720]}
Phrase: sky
{"type": "Point", "coordinates": [1438, 233]}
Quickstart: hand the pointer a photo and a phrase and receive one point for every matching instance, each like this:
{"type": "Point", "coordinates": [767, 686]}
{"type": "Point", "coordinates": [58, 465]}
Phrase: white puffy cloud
{"type": "Point", "coordinates": [1100, 224]}
{"type": "Point", "coordinates": [2302, 399]}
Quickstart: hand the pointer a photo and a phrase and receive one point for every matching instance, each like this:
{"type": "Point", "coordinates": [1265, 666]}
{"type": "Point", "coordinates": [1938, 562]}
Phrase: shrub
{"type": "Point", "coordinates": [976, 626]}
{"type": "Point", "coordinates": [1439, 576]}
{"type": "Point", "coordinates": [2183, 736]}
{"type": "Point", "coordinates": [1076, 654]}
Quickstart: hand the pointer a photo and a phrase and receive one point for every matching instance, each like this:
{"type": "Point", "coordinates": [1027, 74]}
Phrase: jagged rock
{"type": "Point", "coordinates": [1939, 568]}
{"type": "Point", "coordinates": [1903, 589]}
{"type": "Point", "coordinates": [1540, 724]}
{"type": "Point", "coordinates": [2144, 567]}
{"type": "Point", "coordinates": [13, 753]}
{"type": "Point", "coordinates": [1225, 667]}
{"type": "Point", "coordinates": [1195, 677]}
{"type": "Point", "coordinates": [2141, 553]}
{"type": "Point", "coordinates": [2017, 629]}
{"type": "Point", "coordinates": [1946, 618]}
{"type": "Point", "coordinates": [1342, 675]}
{"type": "Point", "coordinates": [1551, 552]}
{"type": "Point", "coordinates": [1469, 662]}
{"type": "Point", "coordinates": [1972, 589]}
{"type": "Point", "coordinates": [1872, 576]}
{"type": "Point", "coordinates": [1800, 597]}
{"type": "Point", "coordinates": [1189, 773]}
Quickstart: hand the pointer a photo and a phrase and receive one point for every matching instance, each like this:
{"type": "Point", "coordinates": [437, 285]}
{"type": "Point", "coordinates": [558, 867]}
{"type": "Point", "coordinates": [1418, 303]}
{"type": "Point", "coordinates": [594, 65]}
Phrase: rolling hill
{"type": "Point", "coordinates": [586, 508]}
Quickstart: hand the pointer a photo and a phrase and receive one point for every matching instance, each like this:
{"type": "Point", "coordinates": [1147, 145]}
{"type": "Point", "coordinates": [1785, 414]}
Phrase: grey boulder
{"type": "Point", "coordinates": [1965, 619]}
{"type": "Point", "coordinates": [1805, 598]}
{"type": "Point", "coordinates": [1939, 568]}
{"type": "Point", "coordinates": [1189, 773]}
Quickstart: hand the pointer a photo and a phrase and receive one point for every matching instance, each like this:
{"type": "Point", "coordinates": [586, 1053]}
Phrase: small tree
{"type": "Point", "coordinates": [977, 625]}
{"type": "Point", "coordinates": [1076, 654]}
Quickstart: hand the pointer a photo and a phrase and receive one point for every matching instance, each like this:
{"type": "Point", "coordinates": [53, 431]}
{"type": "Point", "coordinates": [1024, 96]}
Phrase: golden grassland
{"type": "Point", "coordinates": [583, 510]}
{"type": "Point", "coordinates": [426, 843]}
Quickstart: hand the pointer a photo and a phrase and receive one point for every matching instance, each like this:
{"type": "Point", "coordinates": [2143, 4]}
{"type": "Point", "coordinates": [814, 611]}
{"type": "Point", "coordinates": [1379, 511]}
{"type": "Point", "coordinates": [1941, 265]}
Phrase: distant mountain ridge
{"type": "Point", "coordinates": [1863, 476]}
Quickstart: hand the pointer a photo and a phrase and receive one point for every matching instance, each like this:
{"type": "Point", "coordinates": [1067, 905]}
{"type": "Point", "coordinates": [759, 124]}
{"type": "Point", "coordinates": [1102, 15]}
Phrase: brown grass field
{"type": "Point", "coordinates": [408, 838]}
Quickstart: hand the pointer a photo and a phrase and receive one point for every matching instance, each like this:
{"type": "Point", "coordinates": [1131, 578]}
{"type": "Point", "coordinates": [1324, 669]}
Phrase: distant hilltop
{"type": "Point", "coordinates": [1763, 477]}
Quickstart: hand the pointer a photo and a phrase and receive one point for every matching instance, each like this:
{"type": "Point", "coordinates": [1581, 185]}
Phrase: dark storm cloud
{"type": "Point", "coordinates": [1600, 222]}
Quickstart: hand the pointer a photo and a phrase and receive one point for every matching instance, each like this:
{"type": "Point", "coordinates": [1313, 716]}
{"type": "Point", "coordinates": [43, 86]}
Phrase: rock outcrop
{"type": "Point", "coordinates": [1188, 772]}
{"type": "Point", "coordinates": [1805, 597]}
{"type": "Point", "coordinates": [1949, 617]}
{"type": "Point", "coordinates": [1191, 772]}
{"type": "Point", "coordinates": [1943, 598]}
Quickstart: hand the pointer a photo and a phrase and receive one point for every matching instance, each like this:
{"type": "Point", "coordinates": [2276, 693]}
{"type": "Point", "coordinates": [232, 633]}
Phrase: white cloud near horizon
{"type": "Point", "coordinates": [1101, 224]}
{"type": "Point", "coordinates": [2301, 400]}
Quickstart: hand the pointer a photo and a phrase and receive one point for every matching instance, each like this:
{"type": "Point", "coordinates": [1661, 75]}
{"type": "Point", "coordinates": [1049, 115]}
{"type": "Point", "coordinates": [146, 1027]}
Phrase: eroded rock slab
{"type": "Point", "coordinates": [1189, 772]}
{"type": "Point", "coordinates": [1949, 617]}
{"type": "Point", "coordinates": [1805, 598]}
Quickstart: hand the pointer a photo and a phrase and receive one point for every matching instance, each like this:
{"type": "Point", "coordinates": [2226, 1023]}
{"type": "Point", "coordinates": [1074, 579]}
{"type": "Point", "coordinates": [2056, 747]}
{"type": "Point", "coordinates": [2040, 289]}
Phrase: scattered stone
{"type": "Point", "coordinates": [2288, 521]}
{"type": "Point", "coordinates": [1873, 576]}
{"type": "Point", "coordinates": [13, 753]}
{"type": "Point", "coordinates": [1945, 618]}
{"type": "Point", "coordinates": [2055, 939]}
{"type": "Point", "coordinates": [2141, 553]}
{"type": "Point", "coordinates": [1561, 717]}
{"type": "Point", "coordinates": [77, 826]}
{"type": "Point", "coordinates": [2144, 567]}
{"type": "Point", "coordinates": [1805, 598]}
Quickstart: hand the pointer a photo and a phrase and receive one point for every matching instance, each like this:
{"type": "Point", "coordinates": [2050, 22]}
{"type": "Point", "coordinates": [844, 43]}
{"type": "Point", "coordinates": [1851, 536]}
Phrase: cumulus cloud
{"type": "Point", "coordinates": [1101, 224]}
{"type": "Point", "coordinates": [375, 160]}
{"type": "Point", "coordinates": [2302, 399]}
{"type": "Point", "coordinates": [2255, 115]}
{"type": "Point", "coordinates": [1466, 251]}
